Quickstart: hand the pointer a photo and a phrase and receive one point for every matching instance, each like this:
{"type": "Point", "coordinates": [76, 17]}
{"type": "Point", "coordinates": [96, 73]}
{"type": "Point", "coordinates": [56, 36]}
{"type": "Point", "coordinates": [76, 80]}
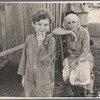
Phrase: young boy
{"type": "Point", "coordinates": [37, 61]}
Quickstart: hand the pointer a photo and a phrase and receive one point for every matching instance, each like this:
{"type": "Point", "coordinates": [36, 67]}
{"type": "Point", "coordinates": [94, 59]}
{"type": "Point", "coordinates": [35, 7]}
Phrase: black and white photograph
{"type": "Point", "coordinates": [50, 49]}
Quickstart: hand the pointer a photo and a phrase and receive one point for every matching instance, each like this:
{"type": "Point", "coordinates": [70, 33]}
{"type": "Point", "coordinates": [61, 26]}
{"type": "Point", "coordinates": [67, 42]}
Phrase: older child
{"type": "Point", "coordinates": [37, 61]}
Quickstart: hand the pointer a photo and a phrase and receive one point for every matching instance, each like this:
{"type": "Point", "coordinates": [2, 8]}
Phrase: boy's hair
{"type": "Point", "coordinates": [42, 14]}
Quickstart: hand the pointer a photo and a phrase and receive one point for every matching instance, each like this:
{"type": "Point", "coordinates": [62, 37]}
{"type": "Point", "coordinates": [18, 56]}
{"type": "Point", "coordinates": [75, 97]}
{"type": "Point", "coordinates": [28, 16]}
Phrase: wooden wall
{"type": "Point", "coordinates": [15, 24]}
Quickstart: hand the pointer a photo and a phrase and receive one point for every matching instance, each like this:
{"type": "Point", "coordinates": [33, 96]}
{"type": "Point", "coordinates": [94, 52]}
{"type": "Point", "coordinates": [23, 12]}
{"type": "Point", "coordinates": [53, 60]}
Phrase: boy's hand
{"type": "Point", "coordinates": [23, 81]}
{"type": "Point", "coordinates": [41, 38]}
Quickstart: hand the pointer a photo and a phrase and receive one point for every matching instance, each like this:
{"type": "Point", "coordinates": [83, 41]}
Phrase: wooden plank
{"type": "Point", "coordinates": [29, 8]}
{"type": "Point", "coordinates": [50, 7]}
{"type": "Point", "coordinates": [65, 8]}
{"type": "Point", "coordinates": [12, 26]}
{"type": "Point", "coordinates": [62, 11]}
{"type": "Point", "coordinates": [56, 15]}
{"type": "Point", "coordinates": [11, 50]}
{"type": "Point", "coordinates": [27, 23]}
{"type": "Point", "coordinates": [60, 14]}
{"type": "Point", "coordinates": [61, 42]}
{"type": "Point", "coordinates": [14, 29]}
{"type": "Point", "coordinates": [54, 24]}
{"type": "Point", "coordinates": [3, 31]}
{"type": "Point", "coordinates": [18, 23]}
{"type": "Point", "coordinates": [53, 13]}
{"type": "Point", "coordinates": [44, 5]}
{"type": "Point", "coordinates": [9, 36]}
{"type": "Point", "coordinates": [19, 28]}
{"type": "Point", "coordinates": [57, 22]}
{"type": "Point", "coordinates": [47, 6]}
{"type": "Point", "coordinates": [0, 32]}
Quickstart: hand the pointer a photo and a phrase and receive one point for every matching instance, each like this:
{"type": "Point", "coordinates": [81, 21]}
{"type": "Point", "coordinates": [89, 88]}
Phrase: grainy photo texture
{"type": "Point", "coordinates": [50, 49]}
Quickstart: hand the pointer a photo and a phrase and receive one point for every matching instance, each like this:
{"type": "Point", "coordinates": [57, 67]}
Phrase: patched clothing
{"type": "Point", "coordinates": [37, 64]}
{"type": "Point", "coordinates": [74, 49]}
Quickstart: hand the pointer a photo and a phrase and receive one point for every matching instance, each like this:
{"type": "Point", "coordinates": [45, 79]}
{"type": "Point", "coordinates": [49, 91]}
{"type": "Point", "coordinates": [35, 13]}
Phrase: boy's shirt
{"type": "Point", "coordinates": [36, 59]}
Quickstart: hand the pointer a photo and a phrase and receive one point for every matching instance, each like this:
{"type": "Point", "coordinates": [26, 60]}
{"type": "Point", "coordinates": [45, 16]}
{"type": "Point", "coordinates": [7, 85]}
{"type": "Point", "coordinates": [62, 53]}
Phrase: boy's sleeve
{"type": "Point", "coordinates": [22, 64]}
{"type": "Point", "coordinates": [47, 55]}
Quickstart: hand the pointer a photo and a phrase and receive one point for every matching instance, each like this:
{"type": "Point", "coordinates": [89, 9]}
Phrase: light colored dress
{"type": "Point", "coordinates": [74, 49]}
{"type": "Point", "coordinates": [37, 64]}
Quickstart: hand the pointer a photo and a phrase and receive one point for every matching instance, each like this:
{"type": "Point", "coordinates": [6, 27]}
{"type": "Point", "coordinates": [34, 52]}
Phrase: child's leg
{"type": "Point", "coordinates": [30, 89]}
{"type": "Point", "coordinates": [44, 90]}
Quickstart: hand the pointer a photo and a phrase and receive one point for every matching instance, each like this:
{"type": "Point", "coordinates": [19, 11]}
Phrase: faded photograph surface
{"type": "Point", "coordinates": [49, 49]}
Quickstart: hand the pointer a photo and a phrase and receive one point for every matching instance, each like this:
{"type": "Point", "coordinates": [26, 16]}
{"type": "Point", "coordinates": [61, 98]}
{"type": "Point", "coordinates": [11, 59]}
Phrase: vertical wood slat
{"type": "Point", "coordinates": [8, 28]}
{"type": "Point", "coordinates": [19, 27]}
{"type": "Point", "coordinates": [13, 32]}
{"type": "Point", "coordinates": [57, 24]}
{"type": "Point", "coordinates": [3, 31]}
{"type": "Point", "coordinates": [47, 6]}
{"type": "Point", "coordinates": [61, 42]}
{"type": "Point", "coordinates": [56, 37]}
{"type": "Point", "coordinates": [44, 5]}
{"type": "Point", "coordinates": [50, 8]}
{"type": "Point", "coordinates": [57, 15]}
{"type": "Point", "coordinates": [54, 24]}
{"type": "Point", "coordinates": [26, 19]}
{"type": "Point", "coordinates": [16, 29]}
{"type": "Point", "coordinates": [13, 40]}
{"type": "Point", "coordinates": [0, 33]}
{"type": "Point", "coordinates": [28, 12]}
{"type": "Point", "coordinates": [53, 12]}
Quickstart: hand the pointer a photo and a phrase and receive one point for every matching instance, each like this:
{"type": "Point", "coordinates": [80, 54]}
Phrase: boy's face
{"type": "Point", "coordinates": [42, 27]}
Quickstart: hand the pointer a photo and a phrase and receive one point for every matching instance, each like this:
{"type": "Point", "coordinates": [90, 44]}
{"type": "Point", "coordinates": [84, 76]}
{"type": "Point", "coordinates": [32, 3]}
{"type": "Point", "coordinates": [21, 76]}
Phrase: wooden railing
{"type": "Point", "coordinates": [11, 50]}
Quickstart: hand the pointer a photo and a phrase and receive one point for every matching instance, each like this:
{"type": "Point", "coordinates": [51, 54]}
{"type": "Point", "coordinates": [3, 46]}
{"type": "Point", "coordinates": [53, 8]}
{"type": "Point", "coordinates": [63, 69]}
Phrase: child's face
{"type": "Point", "coordinates": [42, 27]}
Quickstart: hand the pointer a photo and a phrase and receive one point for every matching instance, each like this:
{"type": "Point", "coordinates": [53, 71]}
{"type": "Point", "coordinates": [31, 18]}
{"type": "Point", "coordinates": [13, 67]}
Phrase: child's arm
{"type": "Point", "coordinates": [22, 64]}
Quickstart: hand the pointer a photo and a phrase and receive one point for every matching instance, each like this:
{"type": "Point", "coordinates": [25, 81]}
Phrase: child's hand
{"type": "Point", "coordinates": [23, 81]}
{"type": "Point", "coordinates": [41, 38]}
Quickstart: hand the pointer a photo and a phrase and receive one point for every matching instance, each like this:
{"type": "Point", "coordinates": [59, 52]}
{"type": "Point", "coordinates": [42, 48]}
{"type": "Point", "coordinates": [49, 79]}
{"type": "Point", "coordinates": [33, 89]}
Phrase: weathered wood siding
{"type": "Point", "coordinates": [15, 24]}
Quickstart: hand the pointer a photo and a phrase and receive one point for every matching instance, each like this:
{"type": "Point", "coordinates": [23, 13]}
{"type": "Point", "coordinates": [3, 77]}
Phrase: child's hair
{"type": "Point", "coordinates": [42, 14]}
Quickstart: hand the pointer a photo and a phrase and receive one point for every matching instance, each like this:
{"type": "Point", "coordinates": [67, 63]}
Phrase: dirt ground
{"type": "Point", "coordinates": [10, 83]}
